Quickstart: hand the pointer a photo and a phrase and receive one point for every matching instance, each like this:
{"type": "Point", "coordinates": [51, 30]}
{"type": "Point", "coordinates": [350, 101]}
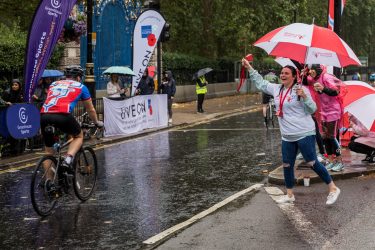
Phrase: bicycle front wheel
{"type": "Point", "coordinates": [43, 186]}
{"type": "Point", "coordinates": [85, 173]}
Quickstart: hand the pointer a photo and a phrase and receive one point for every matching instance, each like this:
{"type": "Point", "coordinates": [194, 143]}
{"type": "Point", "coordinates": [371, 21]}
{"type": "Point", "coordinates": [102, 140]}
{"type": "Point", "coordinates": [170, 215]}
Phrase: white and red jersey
{"type": "Point", "coordinates": [64, 95]}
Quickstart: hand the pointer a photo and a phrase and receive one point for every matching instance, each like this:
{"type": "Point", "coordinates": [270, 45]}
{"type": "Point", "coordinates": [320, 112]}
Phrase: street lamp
{"type": "Point", "coordinates": [90, 78]}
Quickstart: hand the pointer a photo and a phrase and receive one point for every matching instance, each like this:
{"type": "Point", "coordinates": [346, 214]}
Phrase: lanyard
{"type": "Point", "coordinates": [281, 103]}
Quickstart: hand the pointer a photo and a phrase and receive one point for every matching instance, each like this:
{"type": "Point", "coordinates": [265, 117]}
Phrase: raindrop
{"type": "Point", "coordinates": [24, 197]}
{"type": "Point", "coordinates": [28, 219]}
{"type": "Point", "coordinates": [108, 222]}
{"type": "Point", "coordinates": [244, 166]}
{"type": "Point", "coordinates": [260, 154]}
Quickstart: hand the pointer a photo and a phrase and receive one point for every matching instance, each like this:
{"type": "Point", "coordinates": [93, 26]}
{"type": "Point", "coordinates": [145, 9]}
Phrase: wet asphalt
{"type": "Point", "coordinates": [145, 186]}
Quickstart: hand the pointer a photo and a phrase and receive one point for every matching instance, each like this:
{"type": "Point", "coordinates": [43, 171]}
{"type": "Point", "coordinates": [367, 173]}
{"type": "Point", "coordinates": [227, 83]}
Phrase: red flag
{"type": "Point", "coordinates": [249, 57]}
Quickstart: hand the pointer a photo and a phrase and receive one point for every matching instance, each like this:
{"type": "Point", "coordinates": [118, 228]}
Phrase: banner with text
{"type": "Point", "coordinates": [44, 32]}
{"type": "Point", "coordinates": [146, 33]}
{"type": "Point", "coordinates": [134, 114]}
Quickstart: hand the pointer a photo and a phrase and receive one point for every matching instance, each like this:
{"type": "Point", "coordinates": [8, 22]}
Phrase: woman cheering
{"type": "Point", "coordinates": [294, 107]}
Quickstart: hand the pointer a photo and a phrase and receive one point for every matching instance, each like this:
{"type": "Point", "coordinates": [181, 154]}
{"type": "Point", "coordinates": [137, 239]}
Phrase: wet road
{"type": "Point", "coordinates": [145, 186]}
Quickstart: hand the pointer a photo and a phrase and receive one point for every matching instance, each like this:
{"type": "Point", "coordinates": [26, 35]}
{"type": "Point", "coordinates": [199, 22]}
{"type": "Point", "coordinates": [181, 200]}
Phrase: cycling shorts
{"type": "Point", "coordinates": [65, 122]}
{"type": "Point", "coordinates": [266, 98]}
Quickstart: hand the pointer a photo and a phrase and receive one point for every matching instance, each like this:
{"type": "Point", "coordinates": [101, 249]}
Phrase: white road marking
{"type": "Point", "coordinates": [168, 232]}
{"type": "Point", "coordinates": [303, 226]}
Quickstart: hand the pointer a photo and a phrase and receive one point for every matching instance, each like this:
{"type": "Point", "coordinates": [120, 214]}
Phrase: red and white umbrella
{"type": "Point", "coordinates": [308, 44]}
{"type": "Point", "coordinates": [360, 102]}
{"type": "Point", "coordinates": [284, 62]}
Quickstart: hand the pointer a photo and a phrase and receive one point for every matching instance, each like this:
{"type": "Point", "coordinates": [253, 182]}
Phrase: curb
{"type": "Point", "coordinates": [360, 171]}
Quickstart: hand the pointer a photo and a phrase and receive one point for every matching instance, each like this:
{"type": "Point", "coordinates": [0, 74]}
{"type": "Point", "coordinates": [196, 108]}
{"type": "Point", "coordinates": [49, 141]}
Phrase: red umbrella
{"type": "Point", "coordinates": [360, 102]}
{"type": "Point", "coordinates": [308, 44]}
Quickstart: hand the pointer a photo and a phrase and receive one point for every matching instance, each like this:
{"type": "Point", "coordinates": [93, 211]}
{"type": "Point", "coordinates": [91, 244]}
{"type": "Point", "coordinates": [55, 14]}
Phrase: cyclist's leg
{"type": "Point", "coordinates": [70, 126]}
{"type": "Point", "coordinates": [45, 120]}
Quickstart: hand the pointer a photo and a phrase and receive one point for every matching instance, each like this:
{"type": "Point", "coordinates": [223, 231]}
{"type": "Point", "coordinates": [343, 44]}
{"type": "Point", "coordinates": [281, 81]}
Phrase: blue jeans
{"type": "Point", "coordinates": [307, 148]}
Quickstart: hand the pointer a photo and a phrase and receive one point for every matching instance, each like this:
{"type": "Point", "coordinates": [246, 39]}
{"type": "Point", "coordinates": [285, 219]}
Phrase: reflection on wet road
{"type": "Point", "coordinates": [145, 186]}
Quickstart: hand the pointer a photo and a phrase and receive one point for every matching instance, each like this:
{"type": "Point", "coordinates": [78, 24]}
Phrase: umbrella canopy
{"type": "Point", "coordinates": [284, 62]}
{"type": "Point", "coordinates": [360, 102]}
{"type": "Point", "coordinates": [201, 72]}
{"type": "Point", "coordinates": [308, 44]}
{"type": "Point", "coordinates": [121, 70]}
{"type": "Point", "coordinates": [52, 73]}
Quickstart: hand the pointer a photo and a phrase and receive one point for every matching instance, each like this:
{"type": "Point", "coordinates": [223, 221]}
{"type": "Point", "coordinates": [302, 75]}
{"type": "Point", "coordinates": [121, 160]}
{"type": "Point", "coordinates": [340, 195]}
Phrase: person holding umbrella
{"type": "Point", "coordinates": [328, 88]}
{"type": "Point", "coordinates": [296, 126]}
{"type": "Point", "coordinates": [114, 89]}
{"type": "Point", "coordinates": [201, 87]}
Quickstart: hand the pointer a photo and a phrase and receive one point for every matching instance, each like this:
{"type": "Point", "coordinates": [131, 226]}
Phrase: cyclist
{"type": "Point", "coordinates": [62, 96]}
{"type": "Point", "coordinates": [272, 78]}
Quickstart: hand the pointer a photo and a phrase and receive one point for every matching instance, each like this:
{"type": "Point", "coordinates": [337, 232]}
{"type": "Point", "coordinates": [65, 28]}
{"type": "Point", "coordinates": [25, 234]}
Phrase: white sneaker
{"type": "Point", "coordinates": [170, 121]}
{"type": "Point", "coordinates": [299, 157]}
{"type": "Point", "coordinates": [330, 165]}
{"type": "Point", "coordinates": [332, 196]}
{"type": "Point", "coordinates": [286, 199]}
{"type": "Point", "coordinates": [337, 167]}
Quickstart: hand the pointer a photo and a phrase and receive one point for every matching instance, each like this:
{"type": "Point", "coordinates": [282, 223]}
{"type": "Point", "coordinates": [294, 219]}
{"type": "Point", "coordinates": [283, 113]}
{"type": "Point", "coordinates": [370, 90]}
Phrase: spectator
{"type": "Point", "coordinates": [356, 76]}
{"type": "Point", "coordinates": [363, 141]}
{"type": "Point", "coordinates": [40, 92]}
{"type": "Point", "coordinates": [14, 93]}
{"type": "Point", "coordinates": [114, 89]}
{"type": "Point", "coordinates": [296, 126]}
{"type": "Point", "coordinates": [12, 96]}
{"type": "Point", "coordinates": [146, 85]}
{"type": "Point", "coordinates": [201, 90]}
{"type": "Point", "coordinates": [168, 87]}
{"type": "Point", "coordinates": [330, 113]}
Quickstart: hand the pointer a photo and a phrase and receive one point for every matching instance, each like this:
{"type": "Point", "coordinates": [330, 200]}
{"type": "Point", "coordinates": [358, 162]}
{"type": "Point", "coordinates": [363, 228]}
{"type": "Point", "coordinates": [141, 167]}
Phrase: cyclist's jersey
{"type": "Point", "coordinates": [63, 96]}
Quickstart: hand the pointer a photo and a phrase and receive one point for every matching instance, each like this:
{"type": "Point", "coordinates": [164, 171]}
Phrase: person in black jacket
{"type": "Point", "coordinates": [12, 96]}
{"type": "Point", "coordinates": [146, 85]}
{"type": "Point", "coordinates": [14, 93]}
{"type": "Point", "coordinates": [168, 87]}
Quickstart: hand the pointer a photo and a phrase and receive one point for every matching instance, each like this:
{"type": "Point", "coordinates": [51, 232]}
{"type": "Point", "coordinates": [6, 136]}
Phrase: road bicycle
{"type": "Point", "coordinates": [51, 181]}
{"type": "Point", "coordinates": [89, 128]}
{"type": "Point", "coordinates": [270, 113]}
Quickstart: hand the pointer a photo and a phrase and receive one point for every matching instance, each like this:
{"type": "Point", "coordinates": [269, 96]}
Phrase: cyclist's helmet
{"type": "Point", "coordinates": [74, 71]}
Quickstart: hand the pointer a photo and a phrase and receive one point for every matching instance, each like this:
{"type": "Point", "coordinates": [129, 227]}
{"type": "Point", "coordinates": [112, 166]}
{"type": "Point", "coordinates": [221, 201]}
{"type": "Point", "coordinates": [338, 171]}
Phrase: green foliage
{"type": "Point", "coordinates": [12, 46]}
{"type": "Point", "coordinates": [228, 28]}
{"type": "Point", "coordinates": [57, 54]}
{"type": "Point", "coordinates": [178, 61]}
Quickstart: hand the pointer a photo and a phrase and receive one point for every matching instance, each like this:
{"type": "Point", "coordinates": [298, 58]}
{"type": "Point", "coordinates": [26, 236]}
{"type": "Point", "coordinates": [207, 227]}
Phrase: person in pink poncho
{"type": "Point", "coordinates": [331, 111]}
{"type": "Point", "coordinates": [363, 141]}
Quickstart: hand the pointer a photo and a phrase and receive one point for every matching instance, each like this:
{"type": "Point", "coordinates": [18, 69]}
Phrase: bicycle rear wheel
{"type": "Point", "coordinates": [43, 186]}
{"type": "Point", "coordinates": [85, 173]}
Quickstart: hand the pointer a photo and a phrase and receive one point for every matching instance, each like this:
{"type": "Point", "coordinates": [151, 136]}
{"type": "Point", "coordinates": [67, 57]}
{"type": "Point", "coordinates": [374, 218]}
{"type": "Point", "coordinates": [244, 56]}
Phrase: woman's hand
{"type": "Point", "coordinates": [318, 87]}
{"type": "Point", "coordinates": [300, 92]}
{"type": "Point", "coordinates": [246, 64]}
